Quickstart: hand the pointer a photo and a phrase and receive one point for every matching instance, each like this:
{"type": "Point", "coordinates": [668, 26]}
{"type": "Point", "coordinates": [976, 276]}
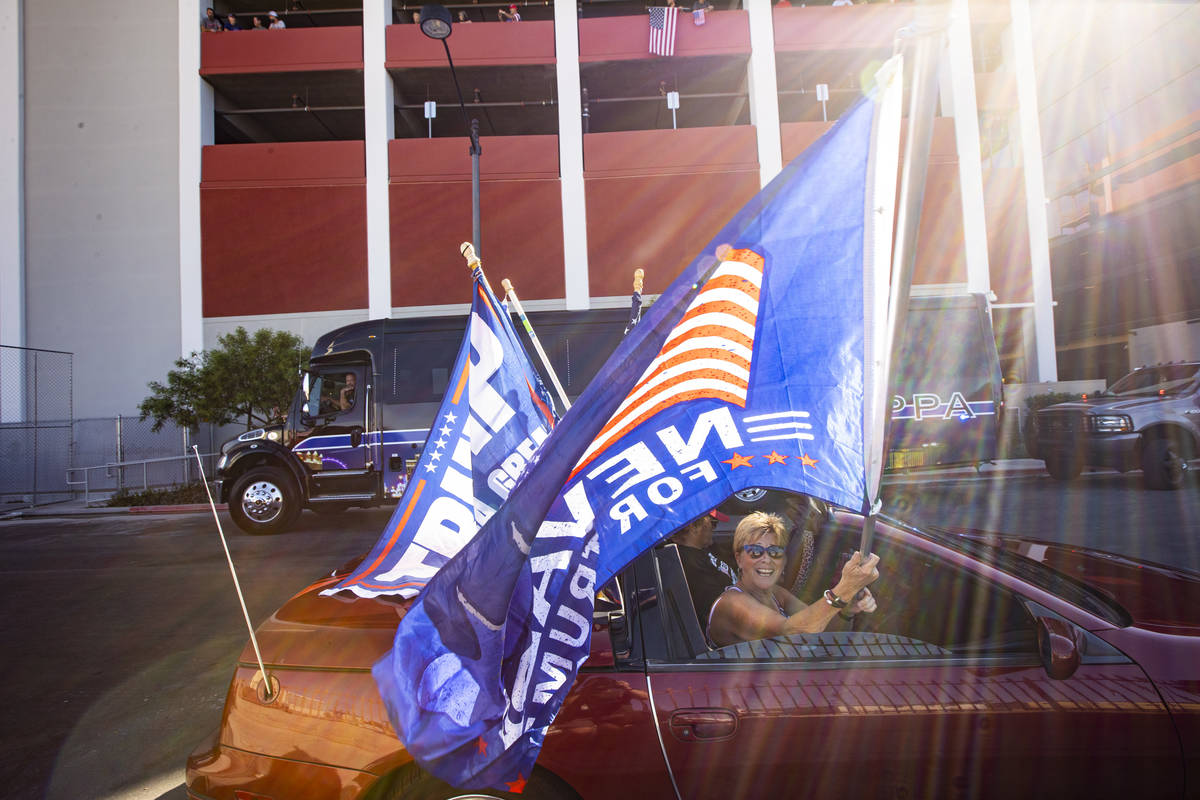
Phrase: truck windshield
{"type": "Point", "coordinates": [1167, 379]}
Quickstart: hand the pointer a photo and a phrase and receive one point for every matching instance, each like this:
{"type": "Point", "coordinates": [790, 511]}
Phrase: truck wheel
{"type": "Point", "coordinates": [1163, 465]}
{"type": "Point", "coordinates": [264, 501]}
{"type": "Point", "coordinates": [1063, 468]}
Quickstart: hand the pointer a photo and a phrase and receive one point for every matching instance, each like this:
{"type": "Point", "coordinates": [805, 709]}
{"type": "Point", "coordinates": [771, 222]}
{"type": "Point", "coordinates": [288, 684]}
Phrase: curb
{"type": "Point", "coordinates": [106, 511]}
{"type": "Point", "coordinates": [187, 508]}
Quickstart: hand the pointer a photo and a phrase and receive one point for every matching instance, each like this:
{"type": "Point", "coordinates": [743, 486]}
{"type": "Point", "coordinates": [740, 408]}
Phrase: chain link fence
{"type": "Point", "coordinates": [48, 456]}
{"type": "Point", "coordinates": [36, 416]}
{"type": "Point", "coordinates": [124, 453]}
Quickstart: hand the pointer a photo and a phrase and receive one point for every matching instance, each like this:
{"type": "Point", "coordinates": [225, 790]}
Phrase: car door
{"type": "Point", "coordinates": [941, 694]}
{"type": "Point", "coordinates": [336, 450]}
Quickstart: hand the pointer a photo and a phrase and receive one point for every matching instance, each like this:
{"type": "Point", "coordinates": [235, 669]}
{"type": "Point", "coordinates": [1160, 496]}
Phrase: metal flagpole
{"type": "Point", "coordinates": [267, 691]}
{"type": "Point", "coordinates": [474, 264]}
{"type": "Point", "coordinates": [511, 294]}
{"type": "Point", "coordinates": [926, 42]}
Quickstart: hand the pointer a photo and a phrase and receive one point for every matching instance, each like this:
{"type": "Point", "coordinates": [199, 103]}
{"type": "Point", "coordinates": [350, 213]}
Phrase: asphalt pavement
{"type": "Point", "coordinates": [121, 641]}
{"type": "Point", "coordinates": [988, 471]}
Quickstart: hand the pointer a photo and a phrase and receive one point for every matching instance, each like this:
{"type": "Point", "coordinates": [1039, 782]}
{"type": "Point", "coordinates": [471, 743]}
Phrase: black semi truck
{"type": "Point", "coordinates": [361, 414]}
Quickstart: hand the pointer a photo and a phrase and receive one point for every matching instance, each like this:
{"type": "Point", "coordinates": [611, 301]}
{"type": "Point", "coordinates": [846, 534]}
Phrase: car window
{"type": "Point", "coordinates": [331, 392]}
{"type": "Point", "coordinates": [928, 608]}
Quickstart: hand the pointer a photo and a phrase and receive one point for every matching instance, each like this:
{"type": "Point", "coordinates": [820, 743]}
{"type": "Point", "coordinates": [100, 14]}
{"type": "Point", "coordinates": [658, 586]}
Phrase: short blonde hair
{"type": "Point", "coordinates": [754, 525]}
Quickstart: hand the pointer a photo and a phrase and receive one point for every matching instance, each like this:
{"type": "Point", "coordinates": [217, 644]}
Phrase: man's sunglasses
{"type": "Point", "coordinates": [757, 550]}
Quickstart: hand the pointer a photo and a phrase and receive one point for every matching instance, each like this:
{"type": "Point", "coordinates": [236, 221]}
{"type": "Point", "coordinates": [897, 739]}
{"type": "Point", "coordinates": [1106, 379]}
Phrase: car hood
{"type": "Point", "coordinates": [1157, 597]}
{"type": "Point", "coordinates": [338, 632]}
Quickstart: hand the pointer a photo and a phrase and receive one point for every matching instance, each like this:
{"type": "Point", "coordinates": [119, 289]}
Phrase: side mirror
{"type": "Point", "coordinates": [356, 434]}
{"type": "Point", "coordinates": [1058, 646]}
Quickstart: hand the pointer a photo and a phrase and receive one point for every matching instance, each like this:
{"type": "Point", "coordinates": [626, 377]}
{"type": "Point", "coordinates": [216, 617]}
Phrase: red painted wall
{"type": "Point", "coordinates": [520, 201]}
{"type": "Point", "coordinates": [841, 28]}
{"type": "Point", "coordinates": [289, 50]}
{"type": "Point", "coordinates": [654, 198]}
{"type": "Point", "coordinates": [475, 44]}
{"type": "Point", "coordinates": [623, 38]}
{"type": "Point", "coordinates": [284, 228]}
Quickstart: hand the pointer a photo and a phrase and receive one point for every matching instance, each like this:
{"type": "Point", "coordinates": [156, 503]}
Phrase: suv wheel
{"type": "Point", "coordinates": [1163, 464]}
{"type": "Point", "coordinates": [264, 500]}
{"type": "Point", "coordinates": [1063, 467]}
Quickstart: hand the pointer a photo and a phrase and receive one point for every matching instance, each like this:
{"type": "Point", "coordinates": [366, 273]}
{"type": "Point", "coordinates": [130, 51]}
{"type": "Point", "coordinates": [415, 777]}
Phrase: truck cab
{"type": "Point", "coordinates": [342, 443]}
{"type": "Point", "coordinates": [359, 418]}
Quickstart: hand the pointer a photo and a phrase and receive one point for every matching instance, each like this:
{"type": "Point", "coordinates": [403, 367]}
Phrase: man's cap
{"type": "Point", "coordinates": [272, 14]}
{"type": "Point", "coordinates": [718, 516]}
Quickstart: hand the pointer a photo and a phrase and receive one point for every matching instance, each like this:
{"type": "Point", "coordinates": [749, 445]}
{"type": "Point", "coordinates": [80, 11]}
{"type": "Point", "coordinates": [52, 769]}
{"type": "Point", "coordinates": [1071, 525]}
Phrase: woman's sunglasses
{"type": "Point", "coordinates": [757, 550]}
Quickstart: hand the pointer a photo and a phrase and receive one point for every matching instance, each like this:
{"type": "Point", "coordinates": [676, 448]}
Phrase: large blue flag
{"type": "Point", "coordinates": [493, 418]}
{"type": "Point", "coordinates": [754, 368]}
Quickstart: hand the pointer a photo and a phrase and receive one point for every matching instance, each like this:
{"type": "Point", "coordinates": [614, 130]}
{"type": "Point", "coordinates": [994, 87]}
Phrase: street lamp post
{"type": "Point", "coordinates": [436, 24]}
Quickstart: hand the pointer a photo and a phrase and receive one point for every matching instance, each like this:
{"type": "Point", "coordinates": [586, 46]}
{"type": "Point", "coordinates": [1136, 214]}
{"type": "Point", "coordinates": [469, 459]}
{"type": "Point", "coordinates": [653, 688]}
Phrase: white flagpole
{"type": "Point", "coordinates": [926, 43]}
{"type": "Point", "coordinates": [267, 691]}
{"type": "Point", "coordinates": [510, 294]}
{"type": "Point", "coordinates": [473, 264]}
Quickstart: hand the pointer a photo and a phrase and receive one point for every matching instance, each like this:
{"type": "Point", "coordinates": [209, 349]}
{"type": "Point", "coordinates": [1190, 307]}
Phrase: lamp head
{"type": "Point", "coordinates": [435, 21]}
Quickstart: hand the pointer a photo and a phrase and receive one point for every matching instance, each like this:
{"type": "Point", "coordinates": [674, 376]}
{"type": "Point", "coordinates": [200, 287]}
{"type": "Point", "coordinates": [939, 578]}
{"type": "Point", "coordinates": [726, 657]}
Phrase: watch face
{"type": "Point", "coordinates": [436, 28]}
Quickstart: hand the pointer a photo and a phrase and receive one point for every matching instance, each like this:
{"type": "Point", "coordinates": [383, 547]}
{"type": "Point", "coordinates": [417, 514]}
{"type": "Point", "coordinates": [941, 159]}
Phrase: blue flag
{"type": "Point", "coordinates": [753, 369]}
{"type": "Point", "coordinates": [493, 418]}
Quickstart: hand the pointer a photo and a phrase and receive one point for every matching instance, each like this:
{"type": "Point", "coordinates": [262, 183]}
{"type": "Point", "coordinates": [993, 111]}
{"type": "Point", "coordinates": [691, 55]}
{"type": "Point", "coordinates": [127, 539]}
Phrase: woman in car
{"type": "Point", "coordinates": [756, 607]}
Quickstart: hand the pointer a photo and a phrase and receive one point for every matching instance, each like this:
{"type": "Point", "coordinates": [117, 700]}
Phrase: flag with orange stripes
{"type": "Point", "coordinates": [754, 369]}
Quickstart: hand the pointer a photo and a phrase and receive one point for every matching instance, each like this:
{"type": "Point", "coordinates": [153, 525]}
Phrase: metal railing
{"type": "Point", "coordinates": [118, 468]}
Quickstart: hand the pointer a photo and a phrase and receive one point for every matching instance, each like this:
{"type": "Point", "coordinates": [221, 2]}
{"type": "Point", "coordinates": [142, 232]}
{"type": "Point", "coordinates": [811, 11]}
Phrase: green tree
{"type": "Point", "coordinates": [249, 376]}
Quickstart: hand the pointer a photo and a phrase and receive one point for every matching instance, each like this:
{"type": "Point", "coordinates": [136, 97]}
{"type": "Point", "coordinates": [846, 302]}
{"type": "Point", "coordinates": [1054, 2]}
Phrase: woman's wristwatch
{"type": "Point", "coordinates": [834, 600]}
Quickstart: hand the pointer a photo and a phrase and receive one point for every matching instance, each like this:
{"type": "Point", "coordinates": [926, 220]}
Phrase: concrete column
{"type": "Point", "coordinates": [764, 90]}
{"type": "Point", "coordinates": [1035, 192]}
{"type": "Point", "coordinates": [570, 156]}
{"type": "Point", "coordinates": [12, 206]}
{"type": "Point", "coordinates": [965, 110]}
{"type": "Point", "coordinates": [380, 123]}
{"type": "Point", "coordinates": [195, 131]}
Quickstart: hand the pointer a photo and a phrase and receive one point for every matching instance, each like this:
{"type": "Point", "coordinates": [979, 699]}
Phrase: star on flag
{"type": "Point", "coordinates": [773, 457]}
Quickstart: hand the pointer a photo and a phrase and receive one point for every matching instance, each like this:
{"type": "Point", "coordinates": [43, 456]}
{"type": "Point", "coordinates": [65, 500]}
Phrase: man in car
{"type": "Point", "coordinates": [708, 575]}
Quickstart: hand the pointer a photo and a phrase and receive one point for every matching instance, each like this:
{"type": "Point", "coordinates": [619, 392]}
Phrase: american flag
{"type": "Point", "coordinates": [662, 30]}
{"type": "Point", "coordinates": [707, 354]}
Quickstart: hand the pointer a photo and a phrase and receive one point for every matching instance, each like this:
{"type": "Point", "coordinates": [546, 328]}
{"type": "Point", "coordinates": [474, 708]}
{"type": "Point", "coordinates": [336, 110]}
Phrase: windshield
{"type": "Point", "coordinates": [1034, 572]}
{"type": "Point", "coordinates": [1168, 379]}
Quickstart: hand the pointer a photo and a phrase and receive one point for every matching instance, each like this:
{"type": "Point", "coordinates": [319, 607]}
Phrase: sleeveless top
{"type": "Point", "coordinates": [735, 588]}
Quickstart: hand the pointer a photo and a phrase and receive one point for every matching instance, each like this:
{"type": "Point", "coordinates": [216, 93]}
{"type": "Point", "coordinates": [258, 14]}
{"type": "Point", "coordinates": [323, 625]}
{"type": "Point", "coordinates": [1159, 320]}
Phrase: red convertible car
{"type": "Point", "coordinates": [991, 669]}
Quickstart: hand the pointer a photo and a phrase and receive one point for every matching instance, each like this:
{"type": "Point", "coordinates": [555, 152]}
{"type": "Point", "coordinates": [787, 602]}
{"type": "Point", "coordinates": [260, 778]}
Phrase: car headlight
{"type": "Point", "coordinates": [222, 461]}
{"type": "Point", "coordinates": [1112, 423]}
